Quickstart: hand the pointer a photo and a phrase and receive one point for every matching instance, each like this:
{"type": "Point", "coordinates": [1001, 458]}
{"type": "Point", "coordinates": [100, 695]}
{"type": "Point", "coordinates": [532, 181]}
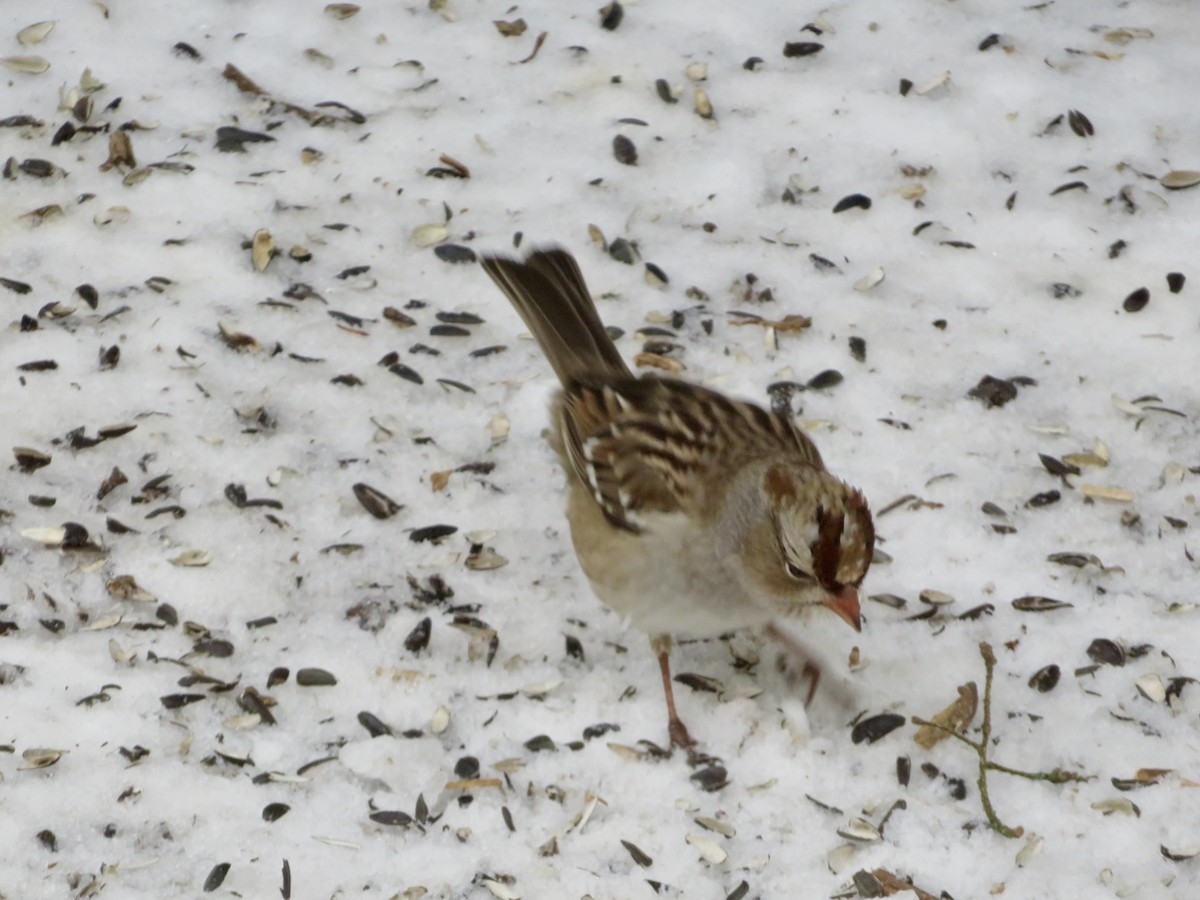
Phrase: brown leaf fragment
{"type": "Point", "coordinates": [537, 45]}
{"type": "Point", "coordinates": [515, 28]}
{"type": "Point", "coordinates": [1141, 778]}
{"type": "Point", "coordinates": [439, 480]}
{"type": "Point", "coordinates": [452, 163]}
{"type": "Point", "coordinates": [237, 340]}
{"type": "Point", "coordinates": [248, 86]}
{"type": "Point", "coordinates": [120, 151]}
{"type": "Point", "coordinates": [342, 10]}
{"type": "Point", "coordinates": [993, 392]}
{"type": "Point", "coordinates": [793, 322]}
{"type": "Point", "coordinates": [955, 717]}
{"type": "Point", "coordinates": [893, 884]}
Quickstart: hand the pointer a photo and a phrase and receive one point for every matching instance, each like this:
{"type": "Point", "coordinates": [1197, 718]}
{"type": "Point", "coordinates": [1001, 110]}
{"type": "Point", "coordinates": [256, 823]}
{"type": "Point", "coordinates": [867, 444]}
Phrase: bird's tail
{"type": "Point", "coordinates": [548, 291]}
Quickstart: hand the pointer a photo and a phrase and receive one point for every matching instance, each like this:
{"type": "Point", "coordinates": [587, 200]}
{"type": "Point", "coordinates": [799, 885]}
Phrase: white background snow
{"type": "Point", "coordinates": [705, 204]}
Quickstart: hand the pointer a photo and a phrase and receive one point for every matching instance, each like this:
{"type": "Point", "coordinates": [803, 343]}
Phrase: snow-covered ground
{"type": "Point", "coordinates": [264, 363]}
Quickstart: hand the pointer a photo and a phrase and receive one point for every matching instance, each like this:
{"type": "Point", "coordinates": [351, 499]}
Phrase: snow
{"type": "Point", "coordinates": [704, 204]}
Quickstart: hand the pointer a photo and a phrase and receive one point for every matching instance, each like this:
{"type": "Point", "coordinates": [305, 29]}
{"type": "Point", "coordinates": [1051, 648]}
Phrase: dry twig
{"type": "Point", "coordinates": [1056, 776]}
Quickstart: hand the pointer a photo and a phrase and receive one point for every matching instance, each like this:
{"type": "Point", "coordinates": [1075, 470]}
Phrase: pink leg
{"type": "Point", "coordinates": [797, 649]}
{"type": "Point", "coordinates": [661, 645]}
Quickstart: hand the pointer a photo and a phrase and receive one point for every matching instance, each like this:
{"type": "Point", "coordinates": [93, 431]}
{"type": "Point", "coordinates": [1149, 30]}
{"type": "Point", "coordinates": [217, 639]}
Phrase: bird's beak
{"type": "Point", "coordinates": [845, 603]}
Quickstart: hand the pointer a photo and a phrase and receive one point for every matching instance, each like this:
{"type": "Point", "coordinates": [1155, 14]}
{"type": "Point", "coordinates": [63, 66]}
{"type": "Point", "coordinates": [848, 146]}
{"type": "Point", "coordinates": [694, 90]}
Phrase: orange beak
{"type": "Point", "coordinates": [845, 604]}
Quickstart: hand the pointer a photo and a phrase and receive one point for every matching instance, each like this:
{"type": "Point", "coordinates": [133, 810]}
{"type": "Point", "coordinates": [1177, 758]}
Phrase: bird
{"type": "Point", "coordinates": [691, 513]}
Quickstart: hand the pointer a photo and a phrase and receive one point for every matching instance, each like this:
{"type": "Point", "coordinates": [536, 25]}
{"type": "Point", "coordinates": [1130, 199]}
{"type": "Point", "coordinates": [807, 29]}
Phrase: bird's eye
{"type": "Point", "coordinates": [798, 573]}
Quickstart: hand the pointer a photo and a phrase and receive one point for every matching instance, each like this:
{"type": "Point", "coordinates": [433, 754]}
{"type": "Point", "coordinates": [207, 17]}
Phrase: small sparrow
{"type": "Point", "coordinates": [691, 513]}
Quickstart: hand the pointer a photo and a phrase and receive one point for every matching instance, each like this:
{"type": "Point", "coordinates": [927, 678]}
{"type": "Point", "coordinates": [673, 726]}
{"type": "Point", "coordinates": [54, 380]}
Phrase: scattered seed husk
{"type": "Point", "coordinates": [993, 392]}
{"type": "Point", "coordinates": [231, 139]}
{"type": "Point", "coordinates": [702, 104]}
{"type": "Point", "coordinates": [624, 150]}
{"type": "Point", "coordinates": [1056, 466]}
{"type": "Point", "coordinates": [701, 683]}
{"type": "Point", "coordinates": [431, 533]}
{"type": "Point", "coordinates": [840, 857]}
{"type": "Point", "coordinates": [1075, 560]}
{"type": "Point", "coordinates": [30, 460]}
{"type": "Point", "coordinates": [932, 84]}
{"type": "Point", "coordinates": [1045, 679]}
{"type": "Point", "coordinates": [823, 381]}
{"type": "Point", "coordinates": [710, 851]}
{"type": "Point", "coordinates": [262, 249]}
{"type": "Point", "coordinates": [876, 727]}
{"type": "Point", "coordinates": [1106, 652]}
{"type": "Point", "coordinates": [1179, 179]}
{"type": "Point", "coordinates": [1080, 124]}
{"type": "Point", "coordinates": [274, 811]}
{"type": "Point", "coordinates": [639, 857]}
{"type": "Point", "coordinates": [1105, 492]}
{"type": "Point", "coordinates": [394, 817]}
{"type": "Point", "coordinates": [611, 16]}
{"type": "Point", "coordinates": [1151, 687]}
{"type": "Point", "coordinates": [935, 597]}
{"type": "Point", "coordinates": [125, 587]}
{"type": "Point", "coordinates": [192, 559]}
{"type": "Point", "coordinates": [711, 778]}
{"type": "Point", "coordinates": [500, 890]}
{"type": "Point", "coordinates": [342, 10]}
{"type": "Point", "coordinates": [860, 830]}
{"type": "Point", "coordinates": [30, 65]}
{"type": "Point", "coordinates": [454, 253]}
{"type": "Point", "coordinates": [337, 842]}
{"type": "Point", "coordinates": [514, 28]}
{"type": "Point", "coordinates": [1122, 805]}
{"type": "Point", "coordinates": [238, 340]}
{"type": "Point", "coordinates": [49, 537]}
{"type": "Point", "coordinates": [1031, 850]}
{"type": "Point", "coordinates": [216, 877]}
{"type": "Point", "coordinates": [1032, 603]}
{"type": "Point", "coordinates": [852, 201]}
{"type": "Point", "coordinates": [1175, 281]}
{"type": "Point", "coordinates": [39, 758]}
{"type": "Point", "coordinates": [377, 503]}
{"type": "Point", "coordinates": [1180, 853]}
{"type": "Point", "coordinates": [17, 287]}
{"type": "Point", "coordinates": [35, 33]}
{"type": "Point", "coordinates": [312, 677]}
{"type": "Point", "coordinates": [430, 234]}
{"type": "Point", "coordinates": [1136, 301]}
{"type": "Point", "coordinates": [868, 281]}
{"type": "Point", "coordinates": [794, 49]}
{"type": "Point", "coordinates": [1070, 186]}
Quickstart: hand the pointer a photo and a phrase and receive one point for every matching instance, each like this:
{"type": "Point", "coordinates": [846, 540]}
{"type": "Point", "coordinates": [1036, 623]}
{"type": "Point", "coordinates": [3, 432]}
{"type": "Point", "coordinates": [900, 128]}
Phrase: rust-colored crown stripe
{"type": "Point", "coordinates": [827, 548]}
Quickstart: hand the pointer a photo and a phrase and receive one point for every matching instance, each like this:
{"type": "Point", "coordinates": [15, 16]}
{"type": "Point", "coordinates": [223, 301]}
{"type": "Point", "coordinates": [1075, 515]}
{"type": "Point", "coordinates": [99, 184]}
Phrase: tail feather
{"type": "Point", "coordinates": [549, 292]}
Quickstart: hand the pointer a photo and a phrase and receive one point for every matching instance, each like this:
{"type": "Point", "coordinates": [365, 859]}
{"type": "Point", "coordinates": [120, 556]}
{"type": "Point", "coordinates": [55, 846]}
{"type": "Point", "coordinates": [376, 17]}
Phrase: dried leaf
{"type": "Point", "coordinates": [956, 717]}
